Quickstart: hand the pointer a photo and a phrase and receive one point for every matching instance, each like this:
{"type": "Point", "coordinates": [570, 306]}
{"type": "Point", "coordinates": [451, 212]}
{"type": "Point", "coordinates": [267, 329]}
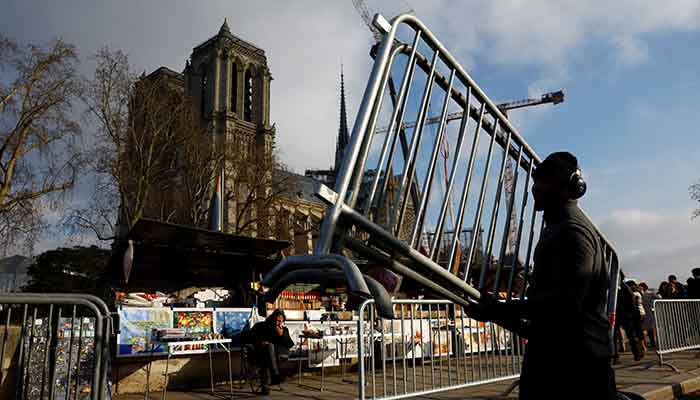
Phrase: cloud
{"type": "Point", "coordinates": [547, 31]}
{"type": "Point", "coordinates": [631, 50]}
{"type": "Point", "coordinates": [651, 244]}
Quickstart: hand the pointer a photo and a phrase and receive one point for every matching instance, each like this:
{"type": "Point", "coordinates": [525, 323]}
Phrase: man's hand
{"type": "Point", "coordinates": [279, 328]}
{"type": "Point", "coordinates": [483, 309]}
{"type": "Point", "coordinates": [279, 331]}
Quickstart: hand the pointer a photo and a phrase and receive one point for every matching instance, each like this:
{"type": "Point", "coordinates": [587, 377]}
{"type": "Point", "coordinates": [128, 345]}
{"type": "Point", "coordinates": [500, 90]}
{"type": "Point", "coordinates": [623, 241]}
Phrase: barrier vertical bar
{"type": "Point", "coordinates": [32, 328]}
{"type": "Point", "coordinates": [47, 352]}
{"type": "Point", "coordinates": [432, 346]}
{"type": "Point", "coordinates": [403, 353]}
{"type": "Point", "coordinates": [450, 344]}
{"type": "Point", "coordinates": [393, 355]}
{"type": "Point", "coordinates": [430, 174]}
{"type": "Point", "coordinates": [383, 357]}
{"type": "Point", "coordinates": [5, 335]}
{"type": "Point", "coordinates": [494, 212]}
{"type": "Point", "coordinates": [360, 353]}
{"type": "Point", "coordinates": [410, 166]}
{"type": "Point", "coordinates": [439, 341]}
{"type": "Point", "coordinates": [413, 348]}
{"type": "Point", "coordinates": [373, 360]}
{"type": "Point", "coordinates": [395, 126]}
{"type": "Point", "coordinates": [422, 344]}
{"type": "Point", "coordinates": [80, 345]}
{"type": "Point", "coordinates": [458, 343]}
{"type": "Point", "coordinates": [20, 370]}
{"type": "Point", "coordinates": [466, 189]}
{"type": "Point", "coordinates": [480, 206]}
{"type": "Point", "coordinates": [464, 124]}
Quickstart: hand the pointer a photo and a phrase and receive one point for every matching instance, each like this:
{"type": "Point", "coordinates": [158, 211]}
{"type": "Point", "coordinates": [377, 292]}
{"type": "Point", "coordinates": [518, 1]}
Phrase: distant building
{"type": "Point", "coordinates": [13, 273]}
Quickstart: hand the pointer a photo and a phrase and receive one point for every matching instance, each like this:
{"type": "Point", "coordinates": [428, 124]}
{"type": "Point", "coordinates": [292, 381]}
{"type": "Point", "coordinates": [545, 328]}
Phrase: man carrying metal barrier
{"type": "Point", "coordinates": [564, 315]}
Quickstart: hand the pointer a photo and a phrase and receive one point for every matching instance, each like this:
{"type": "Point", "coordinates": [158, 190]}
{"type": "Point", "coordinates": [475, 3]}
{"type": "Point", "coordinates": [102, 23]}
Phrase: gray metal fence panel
{"type": "Point", "coordinates": [57, 345]}
{"type": "Point", "coordinates": [431, 347]}
{"type": "Point", "coordinates": [677, 325]}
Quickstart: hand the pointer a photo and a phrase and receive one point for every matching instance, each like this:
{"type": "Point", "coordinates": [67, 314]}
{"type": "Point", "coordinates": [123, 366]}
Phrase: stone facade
{"type": "Point", "coordinates": [228, 82]}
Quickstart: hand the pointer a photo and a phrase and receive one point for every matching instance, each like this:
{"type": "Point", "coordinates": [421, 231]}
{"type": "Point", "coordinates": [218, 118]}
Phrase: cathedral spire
{"type": "Point", "coordinates": [224, 30]}
{"type": "Point", "coordinates": [343, 136]}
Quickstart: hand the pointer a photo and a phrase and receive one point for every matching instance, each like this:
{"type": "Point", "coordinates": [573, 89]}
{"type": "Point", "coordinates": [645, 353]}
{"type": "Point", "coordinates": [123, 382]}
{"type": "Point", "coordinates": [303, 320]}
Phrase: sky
{"type": "Point", "coordinates": [629, 70]}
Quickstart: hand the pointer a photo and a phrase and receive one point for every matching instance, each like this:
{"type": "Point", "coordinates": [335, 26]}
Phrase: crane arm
{"type": "Point", "coordinates": [552, 97]}
{"type": "Point", "coordinates": [361, 8]}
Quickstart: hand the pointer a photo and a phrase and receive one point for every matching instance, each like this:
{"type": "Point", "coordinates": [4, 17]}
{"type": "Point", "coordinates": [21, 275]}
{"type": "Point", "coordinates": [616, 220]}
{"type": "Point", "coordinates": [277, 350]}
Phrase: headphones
{"type": "Point", "coordinates": [577, 186]}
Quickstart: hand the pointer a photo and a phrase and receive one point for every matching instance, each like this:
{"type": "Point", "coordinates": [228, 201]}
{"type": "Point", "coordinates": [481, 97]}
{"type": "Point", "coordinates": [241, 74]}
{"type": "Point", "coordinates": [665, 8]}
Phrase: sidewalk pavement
{"type": "Point", "coordinates": [645, 378]}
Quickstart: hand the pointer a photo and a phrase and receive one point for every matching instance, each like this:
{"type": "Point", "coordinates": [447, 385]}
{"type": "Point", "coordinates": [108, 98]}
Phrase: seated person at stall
{"type": "Point", "coordinates": [270, 338]}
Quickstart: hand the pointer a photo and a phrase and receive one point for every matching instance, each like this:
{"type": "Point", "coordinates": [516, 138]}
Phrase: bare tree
{"type": "Point", "coordinates": [39, 150]}
{"type": "Point", "coordinates": [153, 156]}
{"type": "Point", "coordinates": [256, 185]}
{"type": "Point", "coordinates": [140, 122]}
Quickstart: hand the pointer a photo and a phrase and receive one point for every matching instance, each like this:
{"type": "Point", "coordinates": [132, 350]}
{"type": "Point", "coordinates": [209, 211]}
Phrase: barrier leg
{"type": "Point", "coordinates": [510, 388]}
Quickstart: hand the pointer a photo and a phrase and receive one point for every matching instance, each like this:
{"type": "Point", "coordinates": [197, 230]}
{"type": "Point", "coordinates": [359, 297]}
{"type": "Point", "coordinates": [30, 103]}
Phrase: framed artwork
{"type": "Point", "coordinates": [135, 326]}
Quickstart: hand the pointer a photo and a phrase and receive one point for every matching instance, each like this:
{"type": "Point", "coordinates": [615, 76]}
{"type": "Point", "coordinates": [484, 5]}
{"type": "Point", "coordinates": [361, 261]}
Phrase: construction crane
{"type": "Point", "coordinates": [551, 97]}
{"type": "Point", "coordinates": [362, 9]}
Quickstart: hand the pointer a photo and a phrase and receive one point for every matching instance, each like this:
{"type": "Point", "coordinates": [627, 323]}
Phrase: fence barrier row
{"type": "Point", "coordinates": [430, 346]}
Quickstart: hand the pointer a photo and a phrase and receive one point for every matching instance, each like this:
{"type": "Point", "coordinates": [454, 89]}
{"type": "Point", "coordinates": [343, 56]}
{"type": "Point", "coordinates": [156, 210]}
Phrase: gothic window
{"type": "Point", "coordinates": [248, 100]}
{"type": "Point", "coordinates": [234, 87]}
{"type": "Point", "coordinates": [203, 94]}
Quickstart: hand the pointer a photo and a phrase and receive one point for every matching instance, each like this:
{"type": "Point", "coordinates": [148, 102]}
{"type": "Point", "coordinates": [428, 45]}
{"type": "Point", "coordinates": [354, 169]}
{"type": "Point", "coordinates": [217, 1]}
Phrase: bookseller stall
{"type": "Point", "coordinates": [157, 270]}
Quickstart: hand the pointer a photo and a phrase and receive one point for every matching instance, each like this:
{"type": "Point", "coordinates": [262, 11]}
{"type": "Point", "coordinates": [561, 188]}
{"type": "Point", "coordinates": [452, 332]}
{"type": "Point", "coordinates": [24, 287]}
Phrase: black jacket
{"type": "Point", "coordinates": [265, 332]}
{"type": "Point", "coordinates": [566, 304]}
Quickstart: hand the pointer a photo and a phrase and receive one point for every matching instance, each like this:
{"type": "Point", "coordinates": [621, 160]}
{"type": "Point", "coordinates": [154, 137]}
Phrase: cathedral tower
{"type": "Point", "coordinates": [229, 80]}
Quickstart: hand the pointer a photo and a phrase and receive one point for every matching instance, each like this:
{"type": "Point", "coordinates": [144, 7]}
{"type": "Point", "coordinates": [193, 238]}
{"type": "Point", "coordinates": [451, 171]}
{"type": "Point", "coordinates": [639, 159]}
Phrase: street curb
{"type": "Point", "coordinates": [678, 385]}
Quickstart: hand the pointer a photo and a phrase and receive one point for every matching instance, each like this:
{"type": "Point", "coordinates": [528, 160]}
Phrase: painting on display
{"type": "Point", "coordinates": [230, 320]}
{"type": "Point", "coordinates": [440, 338]}
{"type": "Point", "coordinates": [410, 338]}
{"type": "Point", "coordinates": [300, 349]}
{"type": "Point", "coordinates": [482, 338]}
{"type": "Point", "coordinates": [136, 324]}
{"type": "Point", "coordinates": [323, 352]}
{"type": "Point", "coordinates": [193, 321]}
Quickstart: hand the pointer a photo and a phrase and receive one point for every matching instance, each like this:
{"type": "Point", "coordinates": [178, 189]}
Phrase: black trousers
{"type": "Point", "coordinates": [561, 375]}
{"type": "Point", "coordinates": [632, 332]}
{"type": "Point", "coordinates": [267, 358]}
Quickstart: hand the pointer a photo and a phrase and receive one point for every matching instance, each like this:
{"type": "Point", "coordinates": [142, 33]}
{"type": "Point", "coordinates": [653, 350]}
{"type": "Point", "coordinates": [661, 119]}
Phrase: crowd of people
{"type": "Point", "coordinates": [634, 310]}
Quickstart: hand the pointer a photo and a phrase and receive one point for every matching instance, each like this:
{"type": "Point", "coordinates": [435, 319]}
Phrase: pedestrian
{"type": "Point", "coordinates": [664, 291]}
{"type": "Point", "coordinates": [625, 316]}
{"type": "Point", "coordinates": [648, 302]}
{"type": "Point", "coordinates": [270, 338]}
{"type": "Point", "coordinates": [639, 315]}
{"type": "Point", "coordinates": [564, 315]}
{"type": "Point", "coordinates": [694, 284]}
{"type": "Point", "coordinates": [677, 288]}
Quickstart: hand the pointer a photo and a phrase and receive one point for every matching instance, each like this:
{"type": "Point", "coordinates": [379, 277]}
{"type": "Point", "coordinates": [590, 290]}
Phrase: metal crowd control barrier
{"type": "Point", "coordinates": [431, 346]}
{"type": "Point", "coordinates": [405, 201]}
{"type": "Point", "coordinates": [445, 207]}
{"type": "Point", "coordinates": [677, 324]}
{"type": "Point", "coordinates": [56, 345]}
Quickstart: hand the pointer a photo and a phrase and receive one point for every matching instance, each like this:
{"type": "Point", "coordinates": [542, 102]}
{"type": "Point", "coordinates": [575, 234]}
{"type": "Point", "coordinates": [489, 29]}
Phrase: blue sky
{"type": "Point", "coordinates": [629, 70]}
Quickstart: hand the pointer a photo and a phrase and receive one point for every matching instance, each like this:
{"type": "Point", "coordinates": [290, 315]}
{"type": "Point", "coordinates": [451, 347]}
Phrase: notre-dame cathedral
{"type": "Point", "coordinates": [228, 81]}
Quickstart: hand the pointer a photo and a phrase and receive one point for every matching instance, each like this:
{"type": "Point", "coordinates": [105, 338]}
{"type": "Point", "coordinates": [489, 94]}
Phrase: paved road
{"type": "Point", "coordinates": [641, 377]}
